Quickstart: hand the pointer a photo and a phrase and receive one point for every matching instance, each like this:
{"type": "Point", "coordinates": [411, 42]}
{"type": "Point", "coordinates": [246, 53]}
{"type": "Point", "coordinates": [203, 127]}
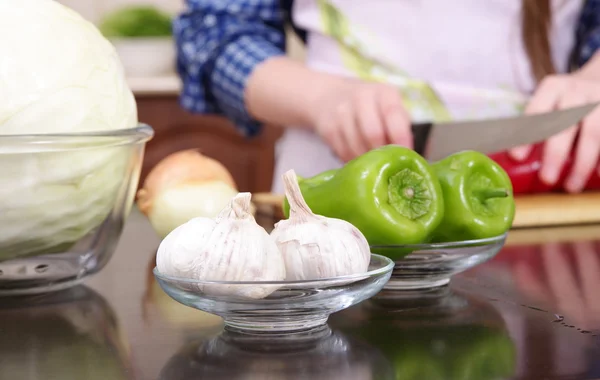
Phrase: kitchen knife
{"type": "Point", "coordinates": [437, 140]}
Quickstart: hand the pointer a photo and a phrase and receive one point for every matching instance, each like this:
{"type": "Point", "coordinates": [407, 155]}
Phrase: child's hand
{"type": "Point", "coordinates": [354, 116]}
{"type": "Point", "coordinates": [566, 91]}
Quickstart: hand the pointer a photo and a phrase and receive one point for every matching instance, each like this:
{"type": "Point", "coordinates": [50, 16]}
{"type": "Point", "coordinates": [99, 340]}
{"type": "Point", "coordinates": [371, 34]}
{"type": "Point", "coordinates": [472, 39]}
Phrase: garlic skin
{"type": "Point", "coordinates": [314, 246]}
{"type": "Point", "coordinates": [233, 247]}
{"type": "Point", "coordinates": [178, 251]}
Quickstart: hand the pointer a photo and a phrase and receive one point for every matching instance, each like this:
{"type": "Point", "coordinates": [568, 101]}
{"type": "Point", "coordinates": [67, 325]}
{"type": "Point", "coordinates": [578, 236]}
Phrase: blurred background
{"type": "Point", "coordinates": [94, 10]}
{"type": "Point", "coordinates": [149, 62]}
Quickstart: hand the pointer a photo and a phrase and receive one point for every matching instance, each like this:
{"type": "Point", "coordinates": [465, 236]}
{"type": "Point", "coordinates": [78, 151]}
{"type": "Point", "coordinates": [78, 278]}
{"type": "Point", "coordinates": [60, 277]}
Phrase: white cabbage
{"type": "Point", "coordinates": [58, 74]}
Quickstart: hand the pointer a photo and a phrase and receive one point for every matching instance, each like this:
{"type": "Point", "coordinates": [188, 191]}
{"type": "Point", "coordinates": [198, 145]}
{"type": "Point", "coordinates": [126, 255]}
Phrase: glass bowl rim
{"type": "Point", "coordinates": [445, 245]}
{"type": "Point", "coordinates": [140, 133]}
{"type": "Point", "coordinates": [388, 267]}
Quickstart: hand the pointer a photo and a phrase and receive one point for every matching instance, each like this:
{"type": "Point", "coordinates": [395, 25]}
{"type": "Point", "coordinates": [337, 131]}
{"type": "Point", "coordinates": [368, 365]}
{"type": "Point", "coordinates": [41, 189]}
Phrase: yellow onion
{"type": "Point", "coordinates": [183, 186]}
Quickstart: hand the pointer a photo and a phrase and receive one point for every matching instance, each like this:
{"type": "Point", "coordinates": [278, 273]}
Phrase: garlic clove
{"type": "Point", "coordinates": [316, 247]}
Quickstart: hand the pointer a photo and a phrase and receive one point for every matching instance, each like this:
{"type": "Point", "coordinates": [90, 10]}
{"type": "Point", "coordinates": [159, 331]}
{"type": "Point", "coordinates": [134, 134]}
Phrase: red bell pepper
{"type": "Point", "coordinates": [525, 175]}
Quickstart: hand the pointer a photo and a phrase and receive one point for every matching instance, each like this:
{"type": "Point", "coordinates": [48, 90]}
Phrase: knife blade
{"type": "Point", "coordinates": [435, 141]}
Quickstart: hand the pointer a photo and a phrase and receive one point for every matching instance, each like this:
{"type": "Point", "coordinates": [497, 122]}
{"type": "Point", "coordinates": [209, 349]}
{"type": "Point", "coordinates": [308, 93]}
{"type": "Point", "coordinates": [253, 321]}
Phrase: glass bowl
{"type": "Point", "coordinates": [420, 266]}
{"type": "Point", "coordinates": [291, 307]}
{"type": "Point", "coordinates": [63, 203]}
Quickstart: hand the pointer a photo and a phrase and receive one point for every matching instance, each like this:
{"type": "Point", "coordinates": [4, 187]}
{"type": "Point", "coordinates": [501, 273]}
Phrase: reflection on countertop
{"type": "Point", "coordinates": [434, 334]}
{"type": "Point", "coordinates": [320, 355]}
{"type": "Point", "coordinates": [71, 334]}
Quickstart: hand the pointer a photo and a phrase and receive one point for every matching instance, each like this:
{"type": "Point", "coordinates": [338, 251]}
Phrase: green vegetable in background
{"type": "Point", "coordinates": [137, 21]}
{"type": "Point", "coordinates": [391, 194]}
{"type": "Point", "coordinates": [478, 197]}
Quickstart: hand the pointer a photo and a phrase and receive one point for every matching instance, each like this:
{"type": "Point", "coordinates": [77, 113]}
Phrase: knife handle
{"type": "Point", "coordinates": [420, 133]}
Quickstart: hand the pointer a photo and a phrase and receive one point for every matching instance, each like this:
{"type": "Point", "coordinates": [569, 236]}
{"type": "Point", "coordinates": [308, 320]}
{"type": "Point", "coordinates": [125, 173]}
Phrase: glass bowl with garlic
{"type": "Point", "coordinates": [278, 306]}
{"type": "Point", "coordinates": [288, 280]}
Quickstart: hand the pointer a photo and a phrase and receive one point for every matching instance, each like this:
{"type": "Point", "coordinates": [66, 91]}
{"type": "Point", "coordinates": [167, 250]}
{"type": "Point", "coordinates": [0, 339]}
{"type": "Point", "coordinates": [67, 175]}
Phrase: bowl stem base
{"type": "Point", "coordinates": [274, 324]}
{"type": "Point", "coordinates": [42, 288]}
{"type": "Point", "coordinates": [400, 284]}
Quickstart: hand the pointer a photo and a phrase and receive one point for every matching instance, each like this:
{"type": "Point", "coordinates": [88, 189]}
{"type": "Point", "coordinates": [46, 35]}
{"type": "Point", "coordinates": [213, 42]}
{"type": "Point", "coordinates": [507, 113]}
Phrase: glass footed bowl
{"type": "Point", "coordinates": [420, 266]}
{"type": "Point", "coordinates": [291, 306]}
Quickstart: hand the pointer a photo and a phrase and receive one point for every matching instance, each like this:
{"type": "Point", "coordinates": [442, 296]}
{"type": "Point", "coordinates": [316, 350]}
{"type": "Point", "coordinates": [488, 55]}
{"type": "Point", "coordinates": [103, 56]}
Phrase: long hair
{"type": "Point", "coordinates": [536, 22]}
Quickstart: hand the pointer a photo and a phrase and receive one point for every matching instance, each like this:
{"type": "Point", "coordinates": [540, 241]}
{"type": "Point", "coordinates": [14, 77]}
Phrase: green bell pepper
{"type": "Point", "coordinates": [391, 194]}
{"type": "Point", "coordinates": [478, 197]}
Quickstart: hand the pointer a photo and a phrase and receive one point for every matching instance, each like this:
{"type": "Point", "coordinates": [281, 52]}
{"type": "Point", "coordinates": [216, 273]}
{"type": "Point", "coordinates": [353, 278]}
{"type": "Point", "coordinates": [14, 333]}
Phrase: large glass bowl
{"type": "Point", "coordinates": [291, 307]}
{"type": "Point", "coordinates": [420, 266]}
{"type": "Point", "coordinates": [63, 202]}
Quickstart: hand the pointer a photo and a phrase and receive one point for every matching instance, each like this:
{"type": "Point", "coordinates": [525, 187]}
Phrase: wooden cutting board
{"type": "Point", "coordinates": [557, 209]}
{"type": "Point", "coordinates": [541, 210]}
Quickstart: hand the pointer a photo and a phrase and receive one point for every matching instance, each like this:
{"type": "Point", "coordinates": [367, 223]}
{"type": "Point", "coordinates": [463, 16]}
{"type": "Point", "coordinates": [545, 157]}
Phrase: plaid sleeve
{"type": "Point", "coordinates": [588, 33]}
{"type": "Point", "coordinates": [219, 43]}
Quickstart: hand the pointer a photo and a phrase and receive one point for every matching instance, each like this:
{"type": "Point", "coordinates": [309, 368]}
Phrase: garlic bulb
{"type": "Point", "coordinates": [314, 246]}
{"type": "Point", "coordinates": [232, 247]}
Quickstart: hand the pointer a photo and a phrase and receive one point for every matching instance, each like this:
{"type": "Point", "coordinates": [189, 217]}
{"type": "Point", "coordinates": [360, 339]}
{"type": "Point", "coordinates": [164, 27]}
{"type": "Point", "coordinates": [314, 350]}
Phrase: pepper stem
{"type": "Point", "coordinates": [486, 194]}
{"type": "Point", "coordinates": [298, 206]}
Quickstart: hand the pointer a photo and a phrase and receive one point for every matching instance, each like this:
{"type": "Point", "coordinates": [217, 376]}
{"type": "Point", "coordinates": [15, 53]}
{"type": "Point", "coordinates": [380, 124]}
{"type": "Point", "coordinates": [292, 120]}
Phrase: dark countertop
{"type": "Point", "coordinates": [532, 312]}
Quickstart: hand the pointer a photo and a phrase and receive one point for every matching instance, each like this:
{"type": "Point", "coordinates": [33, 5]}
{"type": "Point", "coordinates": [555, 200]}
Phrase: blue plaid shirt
{"type": "Point", "coordinates": [221, 41]}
